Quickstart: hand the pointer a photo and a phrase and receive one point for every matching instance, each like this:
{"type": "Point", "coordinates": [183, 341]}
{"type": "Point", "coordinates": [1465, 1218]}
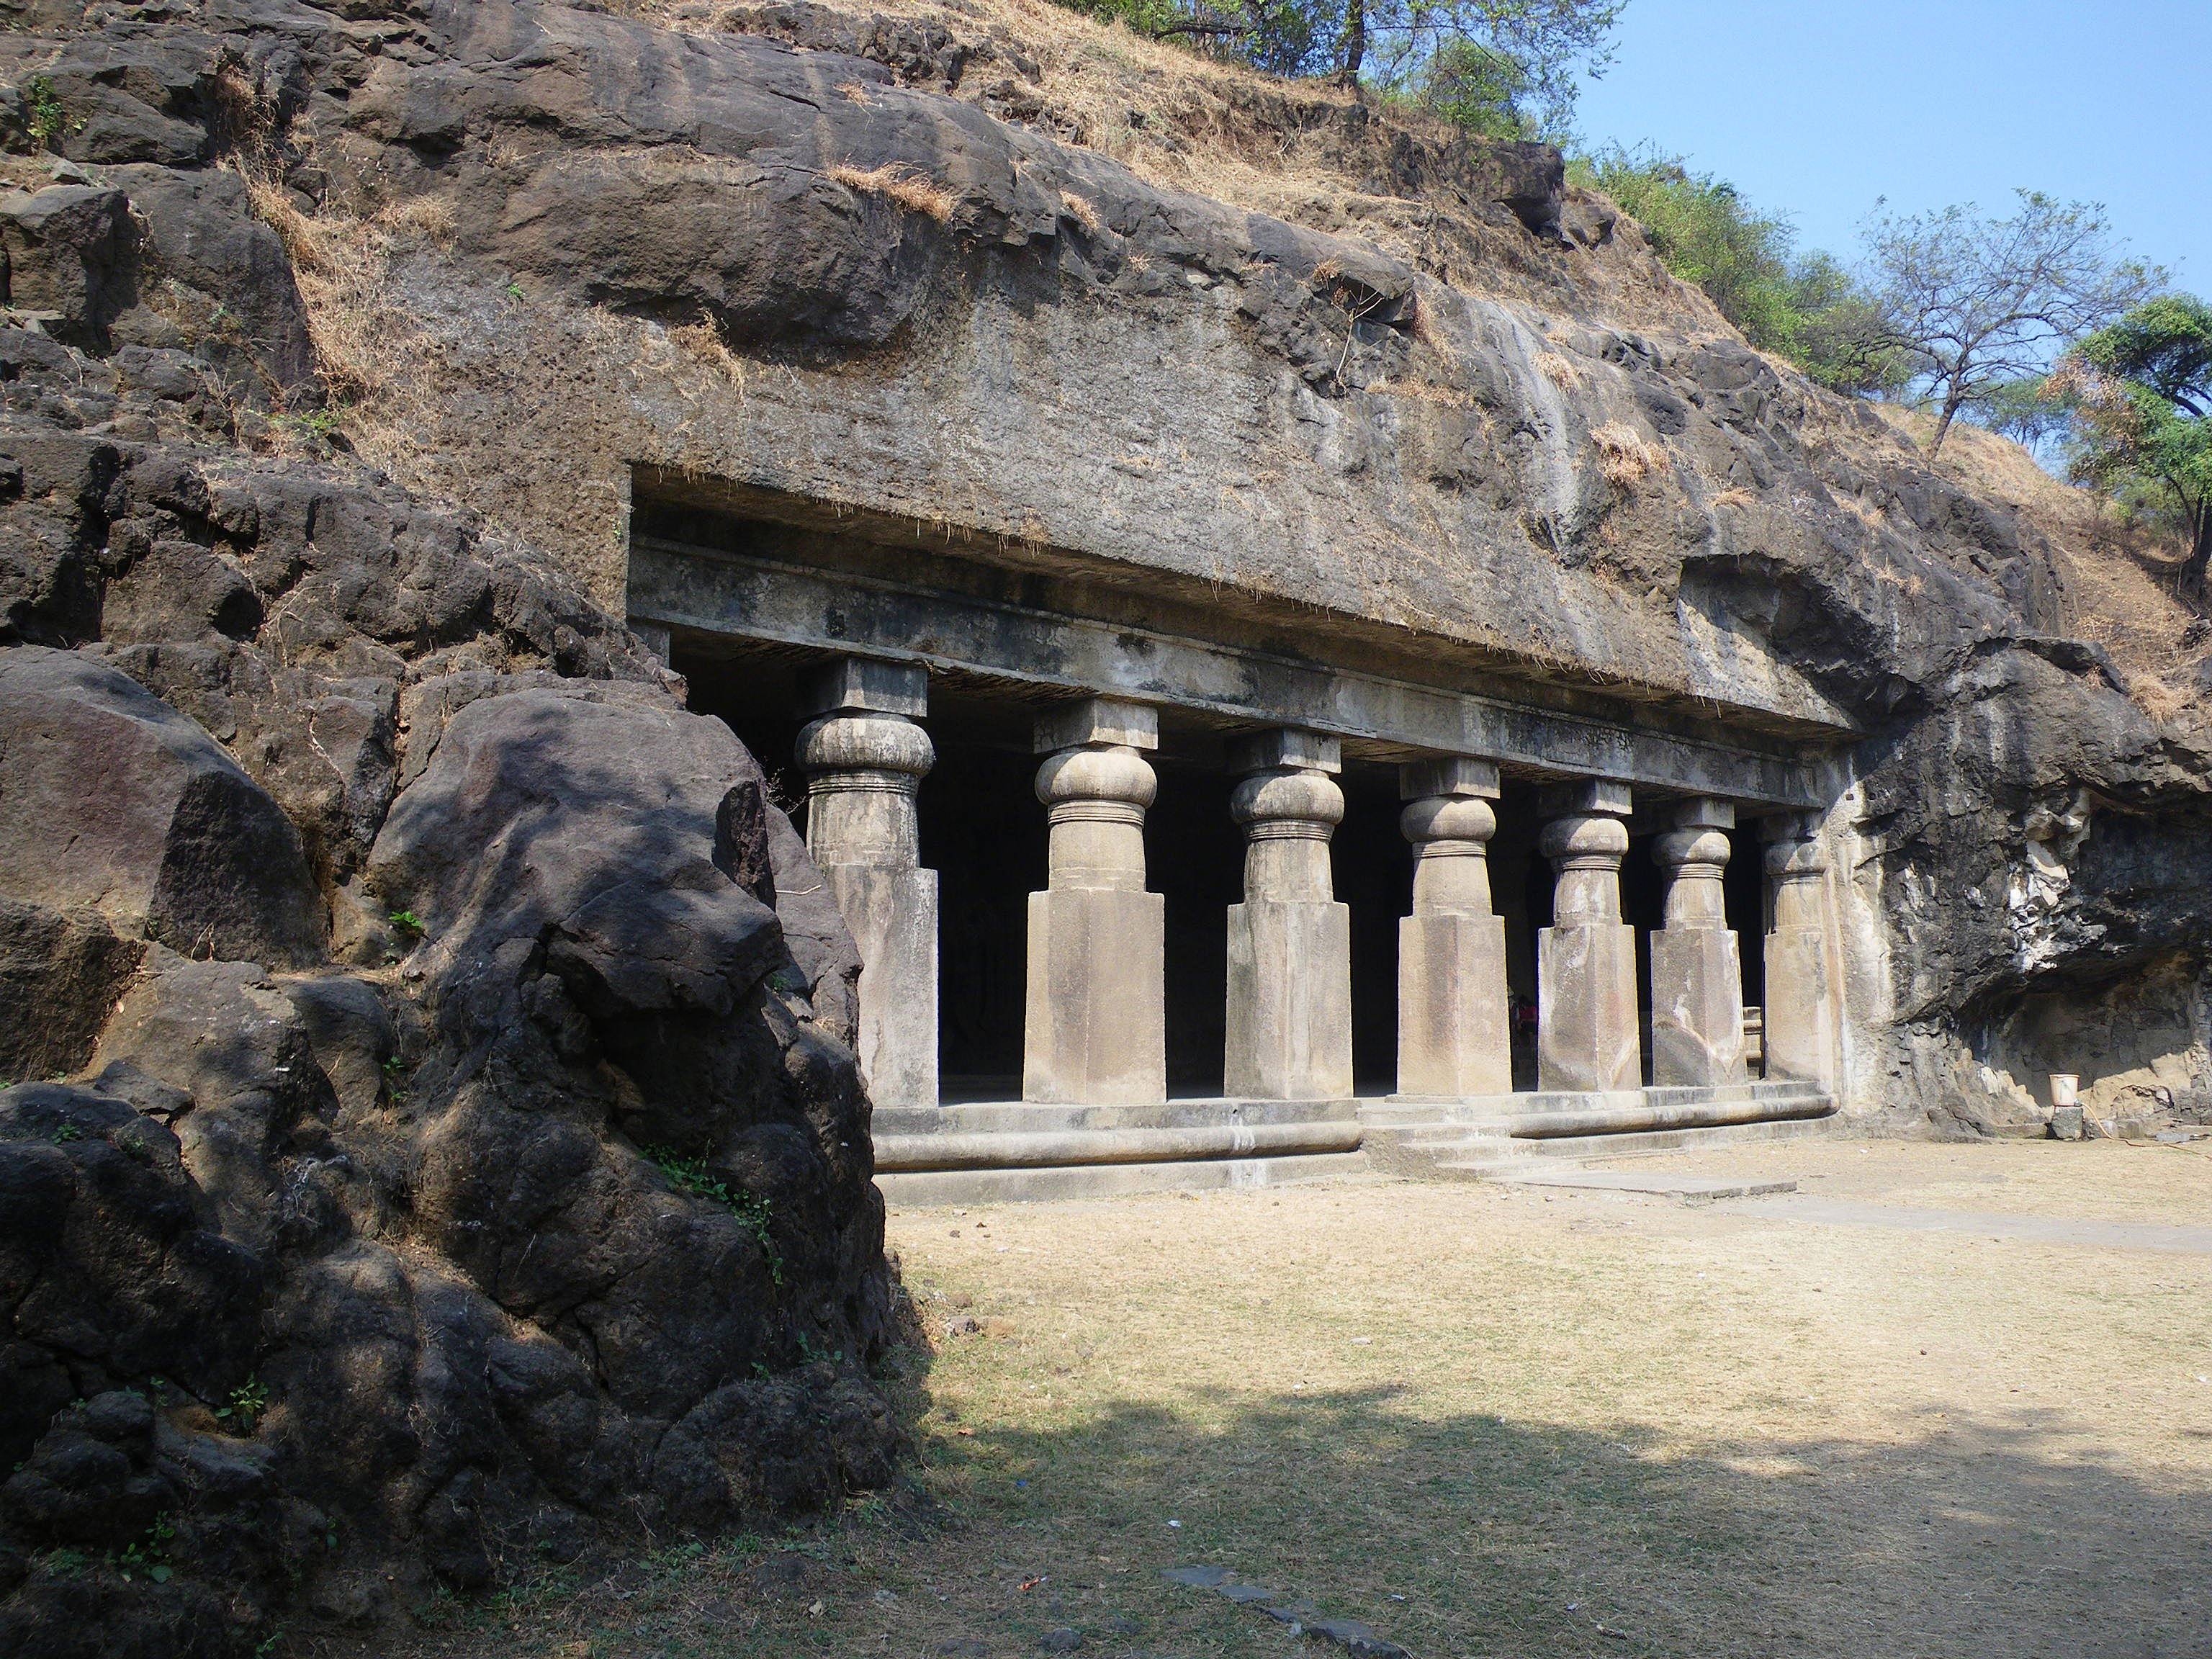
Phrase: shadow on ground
{"type": "Point", "coordinates": [1991, 1536]}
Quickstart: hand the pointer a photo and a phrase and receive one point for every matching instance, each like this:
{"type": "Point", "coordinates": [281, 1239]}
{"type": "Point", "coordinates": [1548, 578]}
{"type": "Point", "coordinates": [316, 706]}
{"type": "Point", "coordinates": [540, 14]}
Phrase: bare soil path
{"type": "Point", "coordinates": [1500, 1422]}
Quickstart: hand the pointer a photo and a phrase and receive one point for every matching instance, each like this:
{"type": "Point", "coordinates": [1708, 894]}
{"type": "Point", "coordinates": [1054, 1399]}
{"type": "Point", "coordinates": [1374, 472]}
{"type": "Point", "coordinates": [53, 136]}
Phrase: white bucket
{"type": "Point", "coordinates": [2065, 1089]}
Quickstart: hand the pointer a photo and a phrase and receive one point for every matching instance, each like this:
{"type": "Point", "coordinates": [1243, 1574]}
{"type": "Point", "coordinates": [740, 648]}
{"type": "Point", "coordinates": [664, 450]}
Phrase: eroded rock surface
{"type": "Point", "coordinates": [428, 1148]}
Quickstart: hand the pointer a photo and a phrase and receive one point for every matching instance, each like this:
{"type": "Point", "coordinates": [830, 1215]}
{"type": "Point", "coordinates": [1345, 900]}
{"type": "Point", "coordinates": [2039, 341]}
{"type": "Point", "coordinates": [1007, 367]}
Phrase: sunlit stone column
{"type": "Point", "coordinates": [1095, 1025]}
{"type": "Point", "coordinates": [1586, 1018]}
{"type": "Point", "coordinates": [864, 757]}
{"type": "Point", "coordinates": [1289, 942]}
{"type": "Point", "coordinates": [1453, 1036]}
{"type": "Point", "coordinates": [1697, 970]}
{"type": "Point", "coordinates": [1800, 1011]}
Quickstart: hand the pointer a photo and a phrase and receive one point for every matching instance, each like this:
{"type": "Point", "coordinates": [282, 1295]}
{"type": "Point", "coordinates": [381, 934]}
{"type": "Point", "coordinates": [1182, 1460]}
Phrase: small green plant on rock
{"type": "Point", "coordinates": [145, 1555]}
{"type": "Point", "coordinates": [245, 1406]}
{"type": "Point", "coordinates": [691, 1174]}
{"type": "Point", "coordinates": [42, 110]}
{"type": "Point", "coordinates": [406, 922]}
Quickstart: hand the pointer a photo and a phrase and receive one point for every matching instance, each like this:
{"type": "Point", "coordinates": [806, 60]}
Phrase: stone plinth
{"type": "Point", "coordinates": [864, 757]}
{"type": "Point", "coordinates": [1095, 1029]}
{"type": "Point", "coordinates": [1801, 1008]}
{"type": "Point", "coordinates": [1697, 968]}
{"type": "Point", "coordinates": [1289, 942]}
{"type": "Point", "coordinates": [1586, 1014]}
{"type": "Point", "coordinates": [1454, 1036]}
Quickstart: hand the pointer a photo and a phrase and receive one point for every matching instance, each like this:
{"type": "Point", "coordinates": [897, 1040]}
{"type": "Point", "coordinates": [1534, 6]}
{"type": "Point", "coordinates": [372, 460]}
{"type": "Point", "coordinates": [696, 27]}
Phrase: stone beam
{"type": "Point", "coordinates": [787, 605]}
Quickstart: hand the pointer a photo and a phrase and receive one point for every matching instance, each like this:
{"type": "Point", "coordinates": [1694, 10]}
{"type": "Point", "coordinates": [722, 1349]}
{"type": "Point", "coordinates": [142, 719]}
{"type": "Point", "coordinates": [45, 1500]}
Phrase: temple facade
{"type": "Point", "coordinates": [1154, 885]}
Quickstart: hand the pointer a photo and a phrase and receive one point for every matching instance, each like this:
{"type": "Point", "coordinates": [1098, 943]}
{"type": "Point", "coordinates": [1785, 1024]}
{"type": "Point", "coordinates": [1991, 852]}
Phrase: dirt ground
{"type": "Point", "coordinates": [1498, 1421]}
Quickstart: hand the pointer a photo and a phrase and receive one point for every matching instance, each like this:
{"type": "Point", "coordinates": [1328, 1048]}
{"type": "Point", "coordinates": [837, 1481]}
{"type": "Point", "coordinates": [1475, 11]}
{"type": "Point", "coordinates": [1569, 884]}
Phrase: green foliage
{"type": "Point", "coordinates": [66, 1134]}
{"type": "Point", "coordinates": [246, 1406]}
{"type": "Point", "coordinates": [2141, 389]}
{"type": "Point", "coordinates": [321, 425]}
{"type": "Point", "coordinates": [1806, 307]}
{"type": "Point", "coordinates": [691, 1174]}
{"type": "Point", "coordinates": [1506, 69]}
{"type": "Point", "coordinates": [42, 110]}
{"type": "Point", "coordinates": [2030, 411]}
{"type": "Point", "coordinates": [407, 922]}
{"type": "Point", "coordinates": [1979, 302]}
{"type": "Point", "coordinates": [145, 1555]}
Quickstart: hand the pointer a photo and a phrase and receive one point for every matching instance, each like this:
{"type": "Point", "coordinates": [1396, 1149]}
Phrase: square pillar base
{"type": "Point", "coordinates": [893, 916]}
{"type": "Point", "coordinates": [1697, 1008]}
{"type": "Point", "coordinates": [1290, 1001]}
{"type": "Point", "coordinates": [1094, 1032]}
{"type": "Point", "coordinates": [1586, 1016]}
{"type": "Point", "coordinates": [1800, 1015]}
{"type": "Point", "coordinates": [1453, 1039]}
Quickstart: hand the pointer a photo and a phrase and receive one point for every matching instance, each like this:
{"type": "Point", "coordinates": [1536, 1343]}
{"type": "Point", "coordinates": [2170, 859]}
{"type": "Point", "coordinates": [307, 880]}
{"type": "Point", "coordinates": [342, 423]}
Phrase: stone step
{"type": "Point", "coordinates": [921, 1188]}
{"type": "Point", "coordinates": [1015, 1148]}
{"type": "Point", "coordinates": [1031, 1117]}
{"type": "Point", "coordinates": [1397, 1110]}
{"type": "Point", "coordinates": [1484, 1158]}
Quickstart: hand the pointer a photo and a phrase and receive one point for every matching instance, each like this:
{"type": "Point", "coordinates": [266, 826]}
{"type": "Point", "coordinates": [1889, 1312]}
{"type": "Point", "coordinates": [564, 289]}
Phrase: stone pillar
{"type": "Point", "coordinates": [1095, 1020]}
{"type": "Point", "coordinates": [1586, 1017]}
{"type": "Point", "coordinates": [864, 757]}
{"type": "Point", "coordinates": [1289, 942]}
{"type": "Point", "coordinates": [1453, 1038]}
{"type": "Point", "coordinates": [1697, 971]}
{"type": "Point", "coordinates": [1801, 1009]}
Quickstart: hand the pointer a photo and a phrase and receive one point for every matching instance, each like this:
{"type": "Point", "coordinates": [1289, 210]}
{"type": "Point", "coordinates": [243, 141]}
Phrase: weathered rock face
{"type": "Point", "coordinates": [458, 1157]}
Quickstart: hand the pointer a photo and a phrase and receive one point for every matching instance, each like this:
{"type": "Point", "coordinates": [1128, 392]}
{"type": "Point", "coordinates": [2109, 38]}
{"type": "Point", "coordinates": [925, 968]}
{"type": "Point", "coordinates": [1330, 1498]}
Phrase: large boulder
{"type": "Point", "coordinates": [111, 800]}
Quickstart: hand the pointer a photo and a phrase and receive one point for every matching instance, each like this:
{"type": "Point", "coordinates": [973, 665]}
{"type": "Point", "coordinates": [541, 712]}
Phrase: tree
{"type": "Point", "coordinates": [1509, 67]}
{"type": "Point", "coordinates": [2144, 394]}
{"type": "Point", "coordinates": [1981, 302]}
{"type": "Point", "coordinates": [1808, 308]}
{"type": "Point", "coordinates": [1503, 68]}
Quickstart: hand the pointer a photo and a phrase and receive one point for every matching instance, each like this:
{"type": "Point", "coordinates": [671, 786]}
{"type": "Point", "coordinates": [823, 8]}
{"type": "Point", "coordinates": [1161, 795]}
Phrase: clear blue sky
{"type": "Point", "coordinates": [1814, 110]}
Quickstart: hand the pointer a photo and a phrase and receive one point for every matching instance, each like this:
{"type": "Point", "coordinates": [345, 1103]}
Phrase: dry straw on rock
{"type": "Point", "coordinates": [910, 187]}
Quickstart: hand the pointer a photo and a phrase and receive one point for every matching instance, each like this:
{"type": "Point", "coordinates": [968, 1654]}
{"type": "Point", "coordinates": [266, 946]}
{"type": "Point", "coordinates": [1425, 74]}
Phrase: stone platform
{"type": "Point", "coordinates": [1014, 1150]}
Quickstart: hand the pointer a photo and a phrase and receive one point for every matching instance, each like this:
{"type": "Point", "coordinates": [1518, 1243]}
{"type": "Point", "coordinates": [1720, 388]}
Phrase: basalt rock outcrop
{"type": "Point", "coordinates": [434, 1146]}
{"type": "Point", "coordinates": [411, 1004]}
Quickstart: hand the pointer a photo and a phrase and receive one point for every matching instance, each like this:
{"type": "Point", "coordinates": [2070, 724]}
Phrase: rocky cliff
{"type": "Point", "coordinates": [412, 1003]}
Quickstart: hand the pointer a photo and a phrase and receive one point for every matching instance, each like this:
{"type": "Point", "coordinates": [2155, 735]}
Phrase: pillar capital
{"type": "Point", "coordinates": [1453, 775]}
{"type": "Point", "coordinates": [865, 684]}
{"type": "Point", "coordinates": [850, 741]}
{"type": "Point", "coordinates": [1097, 720]}
{"type": "Point", "coordinates": [1286, 747]}
{"type": "Point", "coordinates": [1586, 798]}
{"type": "Point", "coordinates": [1794, 853]}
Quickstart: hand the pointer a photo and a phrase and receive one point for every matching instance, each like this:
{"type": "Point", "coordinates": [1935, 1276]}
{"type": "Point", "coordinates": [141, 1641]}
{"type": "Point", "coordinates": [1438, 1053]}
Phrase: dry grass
{"type": "Point", "coordinates": [1623, 456]}
{"type": "Point", "coordinates": [340, 264]}
{"type": "Point", "coordinates": [910, 188]}
{"type": "Point", "coordinates": [2120, 579]}
{"type": "Point", "coordinates": [431, 218]}
{"type": "Point", "coordinates": [1737, 496]}
{"type": "Point", "coordinates": [1082, 210]}
{"type": "Point", "coordinates": [702, 343]}
{"type": "Point", "coordinates": [1494, 1423]}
